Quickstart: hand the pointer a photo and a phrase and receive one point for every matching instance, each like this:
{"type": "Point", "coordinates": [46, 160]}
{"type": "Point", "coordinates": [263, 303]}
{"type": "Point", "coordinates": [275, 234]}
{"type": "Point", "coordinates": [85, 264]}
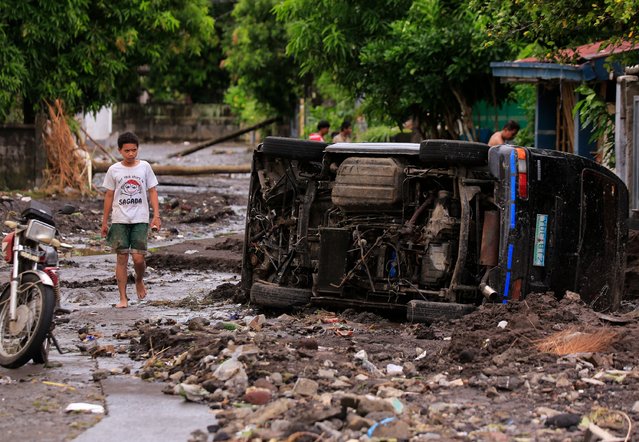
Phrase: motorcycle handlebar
{"type": "Point", "coordinates": [54, 242]}
{"type": "Point", "coordinates": [57, 244]}
{"type": "Point", "coordinates": [13, 224]}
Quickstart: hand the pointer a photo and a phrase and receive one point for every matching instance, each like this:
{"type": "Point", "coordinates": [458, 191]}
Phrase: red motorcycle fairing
{"type": "Point", "coordinates": [7, 247]}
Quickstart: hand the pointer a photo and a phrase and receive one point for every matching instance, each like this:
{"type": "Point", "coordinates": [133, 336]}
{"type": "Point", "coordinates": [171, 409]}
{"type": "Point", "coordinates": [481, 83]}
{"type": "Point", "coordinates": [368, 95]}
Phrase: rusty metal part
{"type": "Point", "coordinates": [466, 194]}
{"type": "Point", "coordinates": [490, 239]}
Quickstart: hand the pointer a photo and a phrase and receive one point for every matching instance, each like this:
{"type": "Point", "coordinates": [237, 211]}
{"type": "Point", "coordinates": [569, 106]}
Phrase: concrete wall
{"type": "Point", "coordinates": [20, 165]}
{"type": "Point", "coordinates": [98, 125]}
{"type": "Point", "coordinates": [174, 122]}
{"type": "Point", "coordinates": [23, 158]}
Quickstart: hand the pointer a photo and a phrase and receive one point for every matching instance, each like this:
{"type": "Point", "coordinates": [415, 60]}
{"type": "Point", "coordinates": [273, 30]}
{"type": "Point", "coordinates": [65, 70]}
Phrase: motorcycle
{"type": "Point", "coordinates": [28, 303]}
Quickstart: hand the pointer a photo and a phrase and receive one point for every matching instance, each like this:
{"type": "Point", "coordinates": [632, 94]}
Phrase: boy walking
{"type": "Point", "coordinates": [128, 182]}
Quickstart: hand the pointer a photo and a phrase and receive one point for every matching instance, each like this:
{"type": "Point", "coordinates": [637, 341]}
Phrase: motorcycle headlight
{"type": "Point", "coordinates": [39, 231]}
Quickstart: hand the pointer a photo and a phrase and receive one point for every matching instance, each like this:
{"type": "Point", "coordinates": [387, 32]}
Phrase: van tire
{"type": "Point", "coordinates": [451, 153]}
{"type": "Point", "coordinates": [429, 311]}
{"type": "Point", "coordinates": [294, 149]}
{"type": "Point", "coordinates": [273, 295]}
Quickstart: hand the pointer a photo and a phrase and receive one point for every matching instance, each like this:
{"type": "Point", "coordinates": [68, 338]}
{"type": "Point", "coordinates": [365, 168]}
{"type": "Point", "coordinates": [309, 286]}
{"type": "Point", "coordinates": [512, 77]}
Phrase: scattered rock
{"type": "Point", "coordinates": [191, 392]}
{"type": "Point", "coordinates": [257, 396]}
{"type": "Point", "coordinates": [564, 420]}
{"type": "Point", "coordinates": [305, 387]}
{"type": "Point", "coordinates": [99, 375]}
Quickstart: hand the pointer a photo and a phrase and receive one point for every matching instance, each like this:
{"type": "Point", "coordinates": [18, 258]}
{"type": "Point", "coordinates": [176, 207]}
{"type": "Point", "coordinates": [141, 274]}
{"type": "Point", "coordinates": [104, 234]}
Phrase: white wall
{"type": "Point", "coordinates": [99, 126]}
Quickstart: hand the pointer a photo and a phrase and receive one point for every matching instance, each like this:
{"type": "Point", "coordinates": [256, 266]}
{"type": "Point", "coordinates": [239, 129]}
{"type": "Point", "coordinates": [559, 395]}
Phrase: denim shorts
{"type": "Point", "coordinates": [128, 238]}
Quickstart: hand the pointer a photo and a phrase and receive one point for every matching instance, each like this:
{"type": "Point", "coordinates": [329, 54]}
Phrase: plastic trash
{"type": "Point", "coordinates": [373, 427]}
{"type": "Point", "coordinates": [83, 407]}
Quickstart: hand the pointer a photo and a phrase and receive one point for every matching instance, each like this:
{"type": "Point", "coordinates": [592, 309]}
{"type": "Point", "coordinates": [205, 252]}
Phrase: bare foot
{"type": "Point", "coordinates": [121, 305]}
{"type": "Point", "coordinates": [140, 288]}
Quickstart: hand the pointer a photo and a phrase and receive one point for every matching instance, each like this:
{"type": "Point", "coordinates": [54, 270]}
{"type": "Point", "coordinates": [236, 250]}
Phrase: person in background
{"type": "Point", "coordinates": [322, 129]}
{"type": "Point", "coordinates": [505, 135]}
{"type": "Point", "coordinates": [127, 184]}
{"type": "Point", "coordinates": [344, 135]}
{"type": "Point", "coordinates": [361, 124]}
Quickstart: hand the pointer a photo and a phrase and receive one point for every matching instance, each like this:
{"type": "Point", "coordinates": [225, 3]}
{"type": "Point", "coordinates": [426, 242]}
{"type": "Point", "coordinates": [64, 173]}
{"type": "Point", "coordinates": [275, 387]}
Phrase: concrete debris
{"type": "Point", "coordinates": [305, 387]}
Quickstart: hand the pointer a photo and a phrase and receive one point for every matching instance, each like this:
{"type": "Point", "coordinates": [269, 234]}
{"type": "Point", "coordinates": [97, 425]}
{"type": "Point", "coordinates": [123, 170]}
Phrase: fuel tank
{"type": "Point", "coordinates": [368, 183]}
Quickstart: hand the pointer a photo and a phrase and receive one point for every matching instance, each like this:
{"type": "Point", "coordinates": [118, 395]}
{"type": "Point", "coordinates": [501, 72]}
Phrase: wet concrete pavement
{"type": "Point", "coordinates": [137, 410]}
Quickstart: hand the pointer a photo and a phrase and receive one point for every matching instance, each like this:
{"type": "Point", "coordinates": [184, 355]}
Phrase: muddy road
{"type": "Point", "coordinates": [197, 250]}
{"type": "Point", "coordinates": [542, 369]}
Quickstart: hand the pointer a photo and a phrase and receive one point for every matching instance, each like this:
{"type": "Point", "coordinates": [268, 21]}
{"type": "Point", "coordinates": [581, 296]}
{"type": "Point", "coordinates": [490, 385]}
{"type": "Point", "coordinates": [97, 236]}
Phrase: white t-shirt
{"type": "Point", "coordinates": [130, 186]}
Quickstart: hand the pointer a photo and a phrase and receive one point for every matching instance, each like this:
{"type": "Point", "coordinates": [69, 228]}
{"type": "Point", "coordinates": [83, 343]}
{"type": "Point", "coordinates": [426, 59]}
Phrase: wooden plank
{"type": "Point", "coordinates": [101, 167]}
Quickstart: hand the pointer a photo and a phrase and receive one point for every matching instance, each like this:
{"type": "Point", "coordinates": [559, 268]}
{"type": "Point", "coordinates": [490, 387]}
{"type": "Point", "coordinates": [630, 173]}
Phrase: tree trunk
{"type": "Point", "coordinates": [466, 115]}
{"type": "Point", "coordinates": [221, 139]}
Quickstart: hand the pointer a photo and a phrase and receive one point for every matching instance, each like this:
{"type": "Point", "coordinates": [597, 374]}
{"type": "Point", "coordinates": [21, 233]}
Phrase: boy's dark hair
{"type": "Point", "coordinates": [128, 138]}
{"type": "Point", "coordinates": [345, 125]}
{"type": "Point", "coordinates": [511, 125]}
{"type": "Point", "coordinates": [323, 124]}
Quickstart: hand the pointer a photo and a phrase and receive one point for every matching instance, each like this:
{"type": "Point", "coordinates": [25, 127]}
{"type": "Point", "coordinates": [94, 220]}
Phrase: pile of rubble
{"type": "Point", "coordinates": [354, 376]}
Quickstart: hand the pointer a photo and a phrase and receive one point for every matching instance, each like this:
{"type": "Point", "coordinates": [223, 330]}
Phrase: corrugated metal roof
{"type": "Point", "coordinates": [539, 71]}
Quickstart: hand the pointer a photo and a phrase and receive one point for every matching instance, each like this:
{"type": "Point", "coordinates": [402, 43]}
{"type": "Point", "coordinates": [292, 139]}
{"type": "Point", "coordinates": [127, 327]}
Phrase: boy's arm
{"type": "Point", "coordinates": [155, 204]}
{"type": "Point", "coordinates": [108, 205]}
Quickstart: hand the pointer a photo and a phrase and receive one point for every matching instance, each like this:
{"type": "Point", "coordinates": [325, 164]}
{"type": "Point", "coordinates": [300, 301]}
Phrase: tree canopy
{"type": "Point", "coordinates": [263, 76]}
{"type": "Point", "coordinates": [548, 25]}
{"type": "Point", "coordinates": [195, 75]}
{"type": "Point", "coordinates": [88, 52]}
{"type": "Point", "coordinates": [427, 60]}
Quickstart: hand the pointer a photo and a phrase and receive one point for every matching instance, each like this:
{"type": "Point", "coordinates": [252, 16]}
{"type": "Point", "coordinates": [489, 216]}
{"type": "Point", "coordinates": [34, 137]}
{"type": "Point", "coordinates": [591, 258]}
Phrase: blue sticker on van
{"type": "Point", "coordinates": [541, 232]}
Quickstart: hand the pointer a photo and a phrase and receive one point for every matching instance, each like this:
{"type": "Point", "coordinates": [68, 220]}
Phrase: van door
{"type": "Point", "coordinates": [600, 233]}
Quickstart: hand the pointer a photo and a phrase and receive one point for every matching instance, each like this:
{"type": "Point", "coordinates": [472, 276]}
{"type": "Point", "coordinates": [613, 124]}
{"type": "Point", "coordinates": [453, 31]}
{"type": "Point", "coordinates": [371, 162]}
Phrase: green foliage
{"type": "Point", "coordinates": [554, 24]}
{"type": "Point", "coordinates": [335, 106]}
{"type": "Point", "coordinates": [263, 77]}
{"type": "Point", "coordinates": [378, 134]}
{"type": "Point", "coordinates": [244, 106]}
{"type": "Point", "coordinates": [87, 53]}
{"type": "Point", "coordinates": [421, 59]}
{"type": "Point", "coordinates": [328, 35]}
{"type": "Point", "coordinates": [593, 113]}
{"type": "Point", "coordinates": [190, 71]}
{"type": "Point", "coordinates": [12, 70]}
{"type": "Point", "coordinates": [525, 95]}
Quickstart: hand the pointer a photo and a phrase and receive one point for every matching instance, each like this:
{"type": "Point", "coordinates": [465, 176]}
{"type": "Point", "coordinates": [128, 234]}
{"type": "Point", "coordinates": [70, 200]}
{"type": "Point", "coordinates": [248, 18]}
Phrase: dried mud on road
{"type": "Point", "coordinates": [540, 370]}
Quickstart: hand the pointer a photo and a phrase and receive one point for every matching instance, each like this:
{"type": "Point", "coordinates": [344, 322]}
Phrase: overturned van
{"type": "Point", "coordinates": [431, 229]}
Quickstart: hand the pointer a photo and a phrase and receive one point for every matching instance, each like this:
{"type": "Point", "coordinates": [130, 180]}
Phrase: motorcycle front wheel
{"type": "Point", "coordinates": [21, 339]}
